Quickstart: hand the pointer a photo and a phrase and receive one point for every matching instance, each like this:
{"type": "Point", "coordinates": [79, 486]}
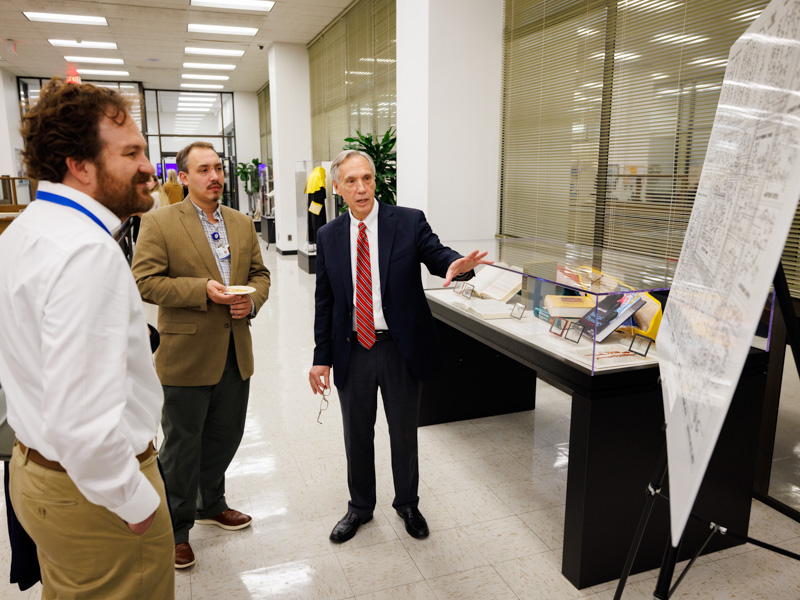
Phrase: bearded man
{"type": "Point", "coordinates": [83, 395]}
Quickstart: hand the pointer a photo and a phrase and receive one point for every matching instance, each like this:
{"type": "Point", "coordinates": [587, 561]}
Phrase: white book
{"type": "Point", "coordinates": [484, 308]}
{"type": "Point", "coordinates": [496, 283]}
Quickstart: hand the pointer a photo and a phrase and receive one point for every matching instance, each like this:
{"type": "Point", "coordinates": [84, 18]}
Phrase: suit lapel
{"type": "Point", "coordinates": [386, 228]}
{"type": "Point", "coordinates": [197, 235]}
{"type": "Point", "coordinates": [341, 239]}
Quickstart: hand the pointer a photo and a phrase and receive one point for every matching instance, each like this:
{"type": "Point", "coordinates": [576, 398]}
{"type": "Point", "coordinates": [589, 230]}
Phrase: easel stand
{"type": "Point", "coordinates": [663, 590]}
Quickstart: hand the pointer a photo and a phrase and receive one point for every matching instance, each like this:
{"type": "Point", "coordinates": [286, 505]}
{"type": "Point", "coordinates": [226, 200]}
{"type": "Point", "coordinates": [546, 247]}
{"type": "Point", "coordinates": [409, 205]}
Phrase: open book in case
{"type": "Point", "coordinates": [600, 309]}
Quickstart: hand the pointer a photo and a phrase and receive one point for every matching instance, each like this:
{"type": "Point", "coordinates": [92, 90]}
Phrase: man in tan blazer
{"type": "Point", "coordinates": [187, 256]}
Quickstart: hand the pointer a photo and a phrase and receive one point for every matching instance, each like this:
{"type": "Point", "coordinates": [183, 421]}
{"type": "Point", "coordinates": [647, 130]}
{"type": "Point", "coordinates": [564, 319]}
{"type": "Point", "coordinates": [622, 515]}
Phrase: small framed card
{"type": "Point", "coordinates": [558, 326]}
{"type": "Point", "coordinates": [574, 332]}
{"type": "Point", "coordinates": [517, 311]}
{"type": "Point", "coordinates": [458, 288]}
{"type": "Point", "coordinates": [467, 291]}
{"type": "Point", "coordinates": [640, 344]}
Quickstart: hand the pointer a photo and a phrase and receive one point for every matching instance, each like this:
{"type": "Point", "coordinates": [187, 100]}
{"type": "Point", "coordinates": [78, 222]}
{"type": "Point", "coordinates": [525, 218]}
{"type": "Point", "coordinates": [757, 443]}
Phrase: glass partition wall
{"type": "Point", "coordinates": [170, 120]}
{"type": "Point", "coordinates": [175, 119]}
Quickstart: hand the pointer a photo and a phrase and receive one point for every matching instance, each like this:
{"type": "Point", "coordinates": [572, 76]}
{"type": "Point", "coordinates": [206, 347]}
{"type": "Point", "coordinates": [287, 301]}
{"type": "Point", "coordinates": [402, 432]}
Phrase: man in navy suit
{"type": "Point", "coordinates": [373, 325]}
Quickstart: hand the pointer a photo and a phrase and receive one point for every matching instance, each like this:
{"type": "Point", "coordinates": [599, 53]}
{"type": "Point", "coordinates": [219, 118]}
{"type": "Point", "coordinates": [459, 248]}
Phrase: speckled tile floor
{"type": "Point", "coordinates": [490, 538]}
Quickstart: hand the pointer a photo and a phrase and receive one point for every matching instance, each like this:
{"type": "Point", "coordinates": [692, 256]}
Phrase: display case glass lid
{"type": "Point", "coordinates": [578, 267]}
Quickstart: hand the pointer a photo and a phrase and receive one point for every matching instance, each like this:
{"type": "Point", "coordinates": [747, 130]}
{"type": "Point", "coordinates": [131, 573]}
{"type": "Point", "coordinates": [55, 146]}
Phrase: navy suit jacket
{"type": "Point", "coordinates": [405, 241]}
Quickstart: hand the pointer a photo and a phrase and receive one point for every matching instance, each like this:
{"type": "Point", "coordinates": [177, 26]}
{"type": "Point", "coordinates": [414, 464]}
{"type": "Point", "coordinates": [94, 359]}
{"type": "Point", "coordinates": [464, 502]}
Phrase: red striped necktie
{"type": "Point", "coordinates": [365, 324]}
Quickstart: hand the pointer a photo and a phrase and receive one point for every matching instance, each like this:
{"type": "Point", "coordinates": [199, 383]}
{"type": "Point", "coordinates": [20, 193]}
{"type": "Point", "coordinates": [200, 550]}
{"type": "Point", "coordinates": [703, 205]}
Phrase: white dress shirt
{"type": "Point", "coordinates": [75, 358]}
{"type": "Point", "coordinates": [372, 237]}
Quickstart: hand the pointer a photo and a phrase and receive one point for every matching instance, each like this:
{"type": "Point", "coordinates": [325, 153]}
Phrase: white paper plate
{"type": "Point", "coordinates": [239, 290]}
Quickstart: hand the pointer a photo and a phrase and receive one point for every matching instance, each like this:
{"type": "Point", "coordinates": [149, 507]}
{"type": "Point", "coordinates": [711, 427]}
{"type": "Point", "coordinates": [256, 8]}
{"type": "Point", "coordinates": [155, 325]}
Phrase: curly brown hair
{"type": "Point", "coordinates": [66, 123]}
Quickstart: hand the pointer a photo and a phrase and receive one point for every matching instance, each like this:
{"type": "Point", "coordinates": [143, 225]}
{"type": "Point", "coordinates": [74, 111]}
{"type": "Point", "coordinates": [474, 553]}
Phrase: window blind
{"type": "Point", "coordinates": [265, 124]}
{"type": "Point", "coordinates": [607, 111]}
{"type": "Point", "coordinates": [352, 70]}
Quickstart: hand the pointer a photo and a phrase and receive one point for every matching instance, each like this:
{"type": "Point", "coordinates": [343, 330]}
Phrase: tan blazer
{"type": "Point", "coordinates": [171, 264]}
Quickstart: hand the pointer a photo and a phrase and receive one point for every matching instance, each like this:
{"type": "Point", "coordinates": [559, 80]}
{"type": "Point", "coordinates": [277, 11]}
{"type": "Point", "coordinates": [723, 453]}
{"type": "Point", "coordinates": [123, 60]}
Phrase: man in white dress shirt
{"type": "Point", "coordinates": [83, 395]}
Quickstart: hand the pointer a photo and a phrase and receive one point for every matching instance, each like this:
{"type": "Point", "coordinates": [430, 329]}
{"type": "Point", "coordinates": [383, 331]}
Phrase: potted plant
{"type": "Point", "coordinates": [248, 173]}
{"type": "Point", "coordinates": [383, 153]}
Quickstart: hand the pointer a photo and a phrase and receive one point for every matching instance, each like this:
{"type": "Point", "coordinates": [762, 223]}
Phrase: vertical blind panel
{"type": "Point", "coordinates": [550, 119]}
{"type": "Point", "coordinates": [607, 111]}
{"type": "Point", "coordinates": [265, 125]}
{"type": "Point", "coordinates": [353, 83]}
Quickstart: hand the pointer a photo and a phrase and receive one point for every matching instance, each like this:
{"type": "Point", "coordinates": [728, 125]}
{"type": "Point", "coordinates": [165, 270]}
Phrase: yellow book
{"type": "Point", "coordinates": [568, 307]}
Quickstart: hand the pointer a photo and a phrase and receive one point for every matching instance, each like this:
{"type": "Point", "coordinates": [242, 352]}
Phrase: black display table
{"type": "Point", "coordinates": [307, 261]}
{"type": "Point", "coordinates": [268, 229]}
{"type": "Point", "coordinates": [615, 441]}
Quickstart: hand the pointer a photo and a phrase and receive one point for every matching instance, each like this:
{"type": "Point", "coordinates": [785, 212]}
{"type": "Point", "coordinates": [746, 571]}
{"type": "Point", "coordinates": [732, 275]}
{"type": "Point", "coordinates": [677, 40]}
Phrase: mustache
{"type": "Point", "coordinates": [141, 178]}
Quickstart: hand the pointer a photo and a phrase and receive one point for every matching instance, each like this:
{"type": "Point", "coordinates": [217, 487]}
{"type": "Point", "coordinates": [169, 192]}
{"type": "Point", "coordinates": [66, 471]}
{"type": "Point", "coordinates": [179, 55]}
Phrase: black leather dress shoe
{"type": "Point", "coordinates": [347, 527]}
{"type": "Point", "coordinates": [416, 526]}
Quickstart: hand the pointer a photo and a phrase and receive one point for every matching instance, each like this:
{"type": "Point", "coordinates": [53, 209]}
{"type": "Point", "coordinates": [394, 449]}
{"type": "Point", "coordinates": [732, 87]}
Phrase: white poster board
{"type": "Point", "coordinates": [746, 199]}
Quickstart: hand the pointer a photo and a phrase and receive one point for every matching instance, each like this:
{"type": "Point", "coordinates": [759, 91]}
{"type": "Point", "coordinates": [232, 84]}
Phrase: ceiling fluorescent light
{"type": "Point", "coordinates": [221, 29]}
{"type": "Point", "coordinates": [70, 19]}
{"type": "Point", "coordinates": [214, 52]}
{"type": "Point", "coordinates": [210, 66]}
{"type": "Point", "coordinates": [205, 77]}
{"type": "Point", "coordinates": [95, 60]}
{"type": "Point", "coordinates": [102, 72]}
{"type": "Point", "coordinates": [200, 86]}
{"type": "Point", "coordinates": [196, 96]}
{"type": "Point", "coordinates": [262, 5]}
{"type": "Point", "coordinates": [83, 44]}
{"type": "Point", "coordinates": [192, 109]}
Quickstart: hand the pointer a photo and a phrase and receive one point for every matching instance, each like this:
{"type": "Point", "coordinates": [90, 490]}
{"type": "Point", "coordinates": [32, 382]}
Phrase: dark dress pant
{"type": "Point", "coordinates": [202, 430]}
{"type": "Point", "coordinates": [380, 367]}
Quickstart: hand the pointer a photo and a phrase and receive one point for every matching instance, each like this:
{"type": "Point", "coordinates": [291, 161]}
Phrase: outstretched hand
{"type": "Point", "coordinates": [466, 264]}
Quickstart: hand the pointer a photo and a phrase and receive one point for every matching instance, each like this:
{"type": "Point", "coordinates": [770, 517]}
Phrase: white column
{"type": "Point", "coordinates": [449, 62]}
{"type": "Point", "coordinates": [10, 139]}
{"type": "Point", "coordinates": [248, 142]}
{"type": "Point", "coordinates": [290, 111]}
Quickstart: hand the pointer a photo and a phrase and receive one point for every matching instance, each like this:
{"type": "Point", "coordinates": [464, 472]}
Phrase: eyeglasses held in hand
{"type": "Point", "coordinates": [325, 393]}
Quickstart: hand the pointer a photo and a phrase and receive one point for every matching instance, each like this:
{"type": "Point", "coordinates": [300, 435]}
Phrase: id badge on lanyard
{"type": "Point", "coordinates": [222, 251]}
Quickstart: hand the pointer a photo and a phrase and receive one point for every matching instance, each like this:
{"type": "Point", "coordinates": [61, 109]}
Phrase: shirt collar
{"type": "Point", "coordinates": [102, 212]}
{"type": "Point", "coordinates": [371, 221]}
{"type": "Point", "coordinates": [201, 212]}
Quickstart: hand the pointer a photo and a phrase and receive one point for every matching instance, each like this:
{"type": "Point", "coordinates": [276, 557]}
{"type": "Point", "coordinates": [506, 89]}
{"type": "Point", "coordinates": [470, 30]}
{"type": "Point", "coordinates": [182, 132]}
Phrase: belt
{"type": "Point", "coordinates": [380, 335]}
{"type": "Point", "coordinates": [35, 457]}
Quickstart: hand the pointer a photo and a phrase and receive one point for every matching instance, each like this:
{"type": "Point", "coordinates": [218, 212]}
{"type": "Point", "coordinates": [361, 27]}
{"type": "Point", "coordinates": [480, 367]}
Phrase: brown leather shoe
{"type": "Point", "coordinates": [184, 557]}
{"type": "Point", "coordinates": [228, 519]}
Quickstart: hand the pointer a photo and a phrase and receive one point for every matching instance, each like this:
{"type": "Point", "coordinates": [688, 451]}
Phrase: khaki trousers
{"type": "Point", "coordinates": [85, 550]}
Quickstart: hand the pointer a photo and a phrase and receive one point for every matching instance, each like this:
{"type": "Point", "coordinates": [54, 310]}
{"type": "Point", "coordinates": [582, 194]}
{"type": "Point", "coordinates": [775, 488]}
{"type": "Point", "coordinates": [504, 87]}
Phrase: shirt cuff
{"type": "Point", "coordinates": [144, 503]}
{"type": "Point", "coordinates": [252, 309]}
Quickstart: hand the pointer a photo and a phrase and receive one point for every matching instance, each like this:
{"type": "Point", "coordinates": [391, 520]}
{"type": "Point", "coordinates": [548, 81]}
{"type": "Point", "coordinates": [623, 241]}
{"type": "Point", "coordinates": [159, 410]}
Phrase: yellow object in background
{"type": "Point", "coordinates": [315, 181]}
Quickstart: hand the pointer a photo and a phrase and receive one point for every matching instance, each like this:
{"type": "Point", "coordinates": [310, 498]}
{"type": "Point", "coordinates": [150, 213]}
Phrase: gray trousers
{"type": "Point", "coordinates": [380, 367]}
{"type": "Point", "coordinates": [202, 430]}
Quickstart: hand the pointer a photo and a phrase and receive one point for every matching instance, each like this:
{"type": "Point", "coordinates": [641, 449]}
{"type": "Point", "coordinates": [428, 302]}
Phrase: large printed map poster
{"type": "Point", "coordinates": [746, 200]}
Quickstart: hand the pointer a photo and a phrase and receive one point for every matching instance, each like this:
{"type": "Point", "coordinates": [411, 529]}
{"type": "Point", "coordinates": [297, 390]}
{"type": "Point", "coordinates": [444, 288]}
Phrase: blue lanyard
{"type": "Point", "coordinates": [56, 199]}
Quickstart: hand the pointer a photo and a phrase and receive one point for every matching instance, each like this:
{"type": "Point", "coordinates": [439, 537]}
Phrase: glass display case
{"type": "Point", "coordinates": [600, 310]}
